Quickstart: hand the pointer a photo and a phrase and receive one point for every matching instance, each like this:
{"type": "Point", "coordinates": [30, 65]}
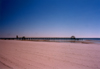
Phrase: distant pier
{"type": "Point", "coordinates": [37, 38]}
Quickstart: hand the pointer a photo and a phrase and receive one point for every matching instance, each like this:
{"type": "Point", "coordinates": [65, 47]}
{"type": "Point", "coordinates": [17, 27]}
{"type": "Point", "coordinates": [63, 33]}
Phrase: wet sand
{"type": "Point", "coordinates": [48, 55]}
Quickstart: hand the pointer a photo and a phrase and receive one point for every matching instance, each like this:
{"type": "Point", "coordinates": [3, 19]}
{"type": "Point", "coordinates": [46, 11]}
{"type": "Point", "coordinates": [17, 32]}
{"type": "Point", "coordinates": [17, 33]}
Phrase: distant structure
{"type": "Point", "coordinates": [17, 36]}
{"type": "Point", "coordinates": [73, 37]}
{"type": "Point", "coordinates": [23, 38]}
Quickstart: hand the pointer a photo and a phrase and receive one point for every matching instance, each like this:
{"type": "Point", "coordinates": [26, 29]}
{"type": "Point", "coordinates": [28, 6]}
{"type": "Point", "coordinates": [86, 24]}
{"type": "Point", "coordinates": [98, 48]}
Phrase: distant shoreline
{"type": "Point", "coordinates": [65, 41]}
{"type": "Point", "coordinates": [58, 39]}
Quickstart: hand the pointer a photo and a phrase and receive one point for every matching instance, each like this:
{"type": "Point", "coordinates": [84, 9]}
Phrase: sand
{"type": "Point", "coordinates": [16, 54]}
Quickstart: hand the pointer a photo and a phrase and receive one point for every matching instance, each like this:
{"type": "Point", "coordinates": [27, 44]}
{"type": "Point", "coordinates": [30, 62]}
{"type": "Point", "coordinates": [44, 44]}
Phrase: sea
{"type": "Point", "coordinates": [94, 40]}
{"type": "Point", "coordinates": [90, 39]}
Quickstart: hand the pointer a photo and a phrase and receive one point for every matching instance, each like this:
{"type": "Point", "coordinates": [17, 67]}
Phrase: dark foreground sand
{"type": "Point", "coordinates": [48, 55]}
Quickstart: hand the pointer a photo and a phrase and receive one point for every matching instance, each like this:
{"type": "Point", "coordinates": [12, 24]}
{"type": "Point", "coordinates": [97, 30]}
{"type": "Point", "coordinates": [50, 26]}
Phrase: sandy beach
{"type": "Point", "coordinates": [16, 54]}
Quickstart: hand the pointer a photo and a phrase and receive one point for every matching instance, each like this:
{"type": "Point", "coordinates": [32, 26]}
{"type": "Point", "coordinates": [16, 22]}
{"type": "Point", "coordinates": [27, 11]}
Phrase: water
{"type": "Point", "coordinates": [90, 38]}
{"type": "Point", "coordinates": [94, 40]}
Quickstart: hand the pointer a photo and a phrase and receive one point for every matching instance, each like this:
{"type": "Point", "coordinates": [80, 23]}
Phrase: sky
{"type": "Point", "coordinates": [50, 18]}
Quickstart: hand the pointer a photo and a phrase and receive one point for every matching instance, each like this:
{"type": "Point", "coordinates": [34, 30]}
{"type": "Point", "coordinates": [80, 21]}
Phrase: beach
{"type": "Point", "coordinates": [15, 54]}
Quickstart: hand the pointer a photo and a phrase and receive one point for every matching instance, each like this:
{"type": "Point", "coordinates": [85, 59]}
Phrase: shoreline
{"type": "Point", "coordinates": [67, 41]}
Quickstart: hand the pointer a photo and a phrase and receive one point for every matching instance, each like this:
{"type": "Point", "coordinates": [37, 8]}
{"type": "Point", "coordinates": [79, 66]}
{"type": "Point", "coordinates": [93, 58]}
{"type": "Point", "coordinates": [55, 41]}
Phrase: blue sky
{"type": "Point", "coordinates": [50, 18]}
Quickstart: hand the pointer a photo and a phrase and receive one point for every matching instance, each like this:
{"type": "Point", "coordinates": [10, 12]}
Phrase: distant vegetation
{"type": "Point", "coordinates": [73, 37]}
{"type": "Point", "coordinates": [17, 36]}
{"type": "Point", "coordinates": [23, 38]}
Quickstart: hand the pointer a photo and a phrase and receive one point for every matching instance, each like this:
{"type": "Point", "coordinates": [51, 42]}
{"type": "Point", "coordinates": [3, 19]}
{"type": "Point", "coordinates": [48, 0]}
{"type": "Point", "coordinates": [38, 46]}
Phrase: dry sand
{"type": "Point", "coordinates": [48, 55]}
